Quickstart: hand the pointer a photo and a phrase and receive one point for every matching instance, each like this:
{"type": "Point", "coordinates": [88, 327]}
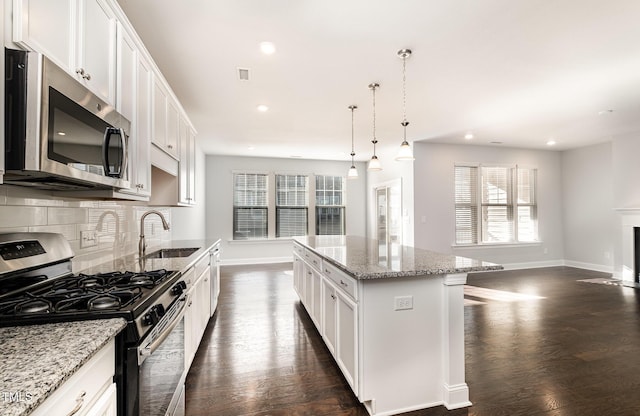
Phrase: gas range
{"type": "Point", "coordinates": [37, 286]}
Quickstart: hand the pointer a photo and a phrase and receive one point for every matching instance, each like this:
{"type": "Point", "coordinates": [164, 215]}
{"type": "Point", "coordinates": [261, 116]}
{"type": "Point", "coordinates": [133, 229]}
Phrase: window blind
{"type": "Point", "coordinates": [495, 204]}
{"type": "Point", "coordinates": [466, 190]}
{"type": "Point", "coordinates": [292, 200]}
{"type": "Point", "coordinates": [330, 205]}
{"type": "Point", "coordinates": [250, 204]}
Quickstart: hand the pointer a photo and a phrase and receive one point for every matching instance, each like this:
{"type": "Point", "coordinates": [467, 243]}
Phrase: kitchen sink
{"type": "Point", "coordinates": [168, 253]}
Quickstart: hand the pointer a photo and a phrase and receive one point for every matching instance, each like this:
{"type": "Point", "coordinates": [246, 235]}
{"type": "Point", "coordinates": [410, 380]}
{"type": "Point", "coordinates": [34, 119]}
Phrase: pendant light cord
{"type": "Point", "coordinates": [374, 141]}
{"type": "Point", "coordinates": [353, 153]}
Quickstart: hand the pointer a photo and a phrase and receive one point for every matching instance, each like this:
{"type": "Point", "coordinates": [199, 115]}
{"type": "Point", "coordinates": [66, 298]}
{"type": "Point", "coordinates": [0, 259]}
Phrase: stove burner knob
{"type": "Point", "coordinates": [178, 288]}
{"type": "Point", "coordinates": [153, 316]}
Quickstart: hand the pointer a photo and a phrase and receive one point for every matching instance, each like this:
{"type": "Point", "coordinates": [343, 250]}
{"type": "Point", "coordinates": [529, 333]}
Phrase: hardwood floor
{"type": "Point", "coordinates": [572, 350]}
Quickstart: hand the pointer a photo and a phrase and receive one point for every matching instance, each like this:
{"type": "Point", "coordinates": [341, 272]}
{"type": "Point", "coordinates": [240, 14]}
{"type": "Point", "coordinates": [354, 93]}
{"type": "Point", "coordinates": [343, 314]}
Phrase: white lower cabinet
{"type": "Point", "coordinates": [329, 298]}
{"type": "Point", "coordinates": [88, 392]}
{"type": "Point", "coordinates": [347, 340]}
{"type": "Point", "coordinates": [198, 307]}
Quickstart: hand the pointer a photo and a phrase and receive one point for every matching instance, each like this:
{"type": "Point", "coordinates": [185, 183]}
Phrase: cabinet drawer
{"type": "Point", "coordinates": [346, 283]}
{"type": "Point", "coordinates": [298, 249]}
{"type": "Point", "coordinates": [202, 265]}
{"type": "Point", "coordinates": [84, 387]}
{"type": "Point", "coordinates": [313, 259]}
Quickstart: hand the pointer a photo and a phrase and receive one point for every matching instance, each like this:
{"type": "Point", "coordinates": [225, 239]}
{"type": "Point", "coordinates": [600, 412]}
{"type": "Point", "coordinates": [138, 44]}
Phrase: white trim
{"type": "Point", "coordinates": [261, 241]}
{"type": "Point", "coordinates": [256, 260]}
{"type": "Point", "coordinates": [496, 245]}
{"type": "Point", "coordinates": [589, 266]}
{"type": "Point", "coordinates": [534, 264]}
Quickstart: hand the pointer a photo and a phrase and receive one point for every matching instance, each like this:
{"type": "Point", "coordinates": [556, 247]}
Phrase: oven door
{"type": "Point", "coordinates": [161, 369]}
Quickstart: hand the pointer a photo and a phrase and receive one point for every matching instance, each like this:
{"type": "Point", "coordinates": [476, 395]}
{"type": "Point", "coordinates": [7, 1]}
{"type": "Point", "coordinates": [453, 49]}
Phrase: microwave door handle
{"type": "Point", "coordinates": [109, 132]}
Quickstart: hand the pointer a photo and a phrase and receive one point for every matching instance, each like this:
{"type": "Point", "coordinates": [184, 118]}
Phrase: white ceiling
{"type": "Point", "coordinates": [518, 72]}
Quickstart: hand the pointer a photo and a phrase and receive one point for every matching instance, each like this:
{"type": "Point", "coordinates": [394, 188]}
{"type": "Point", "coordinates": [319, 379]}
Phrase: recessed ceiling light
{"type": "Point", "coordinates": [61, 133]}
{"type": "Point", "coordinates": [296, 156]}
{"type": "Point", "coordinates": [551, 142]}
{"type": "Point", "coordinates": [251, 148]}
{"type": "Point", "coordinates": [468, 136]}
{"type": "Point", "coordinates": [262, 108]}
{"type": "Point", "coordinates": [496, 142]}
{"type": "Point", "coordinates": [603, 112]}
{"type": "Point", "coordinates": [267, 48]}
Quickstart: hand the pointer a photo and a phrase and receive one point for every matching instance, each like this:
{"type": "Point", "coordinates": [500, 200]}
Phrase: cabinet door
{"type": "Point", "coordinates": [205, 296]}
{"type": "Point", "coordinates": [347, 347]}
{"type": "Point", "coordinates": [47, 27]}
{"type": "Point", "coordinates": [298, 270]}
{"type": "Point", "coordinates": [316, 314]}
{"type": "Point", "coordinates": [329, 305]}
{"type": "Point", "coordinates": [106, 405]}
{"type": "Point", "coordinates": [159, 137]}
{"type": "Point", "coordinates": [215, 278]}
{"type": "Point", "coordinates": [143, 127]}
{"type": "Point", "coordinates": [173, 128]}
{"type": "Point", "coordinates": [183, 175]}
{"type": "Point", "coordinates": [96, 48]}
{"type": "Point", "coordinates": [189, 318]}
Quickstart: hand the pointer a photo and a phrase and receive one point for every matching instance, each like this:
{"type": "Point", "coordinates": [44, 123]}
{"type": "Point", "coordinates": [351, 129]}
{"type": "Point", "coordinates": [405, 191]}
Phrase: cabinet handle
{"type": "Point", "coordinates": [79, 403]}
{"type": "Point", "coordinates": [206, 279]}
{"type": "Point", "coordinates": [170, 146]}
{"type": "Point", "coordinates": [343, 283]}
{"type": "Point", "coordinates": [333, 296]}
{"type": "Point", "coordinates": [83, 73]}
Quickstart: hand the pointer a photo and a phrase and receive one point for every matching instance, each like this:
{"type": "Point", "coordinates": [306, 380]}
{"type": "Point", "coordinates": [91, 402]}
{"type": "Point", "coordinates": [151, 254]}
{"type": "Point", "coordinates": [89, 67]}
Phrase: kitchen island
{"type": "Point", "coordinates": [391, 315]}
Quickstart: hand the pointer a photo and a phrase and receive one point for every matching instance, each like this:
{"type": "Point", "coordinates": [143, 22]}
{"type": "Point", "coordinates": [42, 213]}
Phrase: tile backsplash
{"type": "Point", "coordinates": [27, 210]}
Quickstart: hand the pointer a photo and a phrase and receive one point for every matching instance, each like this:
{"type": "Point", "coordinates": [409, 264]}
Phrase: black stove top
{"type": "Point", "coordinates": [83, 293]}
{"type": "Point", "coordinates": [37, 286]}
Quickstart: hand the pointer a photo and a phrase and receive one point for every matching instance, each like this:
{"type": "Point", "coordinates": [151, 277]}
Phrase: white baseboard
{"type": "Point", "coordinates": [589, 266]}
{"type": "Point", "coordinates": [257, 260]}
{"type": "Point", "coordinates": [533, 264]}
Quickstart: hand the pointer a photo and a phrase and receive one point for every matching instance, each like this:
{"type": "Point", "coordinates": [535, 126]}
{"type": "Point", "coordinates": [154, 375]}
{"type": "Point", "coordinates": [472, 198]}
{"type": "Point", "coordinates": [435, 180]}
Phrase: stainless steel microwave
{"type": "Point", "coordinates": [59, 135]}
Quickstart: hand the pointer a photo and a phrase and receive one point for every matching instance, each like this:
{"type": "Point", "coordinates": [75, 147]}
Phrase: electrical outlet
{"type": "Point", "coordinates": [403, 302]}
{"type": "Point", "coordinates": [88, 239]}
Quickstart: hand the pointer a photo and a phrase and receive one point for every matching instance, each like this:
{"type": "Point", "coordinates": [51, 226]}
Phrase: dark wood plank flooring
{"type": "Point", "coordinates": [576, 351]}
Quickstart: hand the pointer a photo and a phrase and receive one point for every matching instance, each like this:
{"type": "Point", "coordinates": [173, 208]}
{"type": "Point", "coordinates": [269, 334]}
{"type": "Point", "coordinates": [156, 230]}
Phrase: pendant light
{"type": "Point", "coordinates": [353, 172]}
{"type": "Point", "coordinates": [374, 163]}
{"type": "Point", "coordinates": [405, 152]}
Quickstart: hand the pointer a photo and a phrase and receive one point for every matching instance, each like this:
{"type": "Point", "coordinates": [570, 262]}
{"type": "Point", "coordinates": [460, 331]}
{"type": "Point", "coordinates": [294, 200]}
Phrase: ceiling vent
{"type": "Point", "coordinates": [243, 74]}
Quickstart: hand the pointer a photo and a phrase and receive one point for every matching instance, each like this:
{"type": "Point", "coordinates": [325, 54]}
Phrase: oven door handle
{"type": "Point", "coordinates": [150, 348]}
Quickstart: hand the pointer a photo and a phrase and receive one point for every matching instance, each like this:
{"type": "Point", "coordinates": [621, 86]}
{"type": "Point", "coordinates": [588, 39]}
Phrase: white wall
{"type": "Point", "coordinates": [589, 221]}
{"type": "Point", "coordinates": [189, 222]}
{"type": "Point", "coordinates": [434, 202]}
{"type": "Point", "coordinates": [219, 203]}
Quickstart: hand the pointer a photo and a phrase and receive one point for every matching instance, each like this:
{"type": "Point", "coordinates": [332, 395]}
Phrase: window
{"type": "Point", "coordinates": [280, 205]}
{"type": "Point", "coordinates": [250, 205]}
{"type": "Point", "coordinates": [330, 205]}
{"type": "Point", "coordinates": [495, 204]}
{"type": "Point", "coordinates": [292, 199]}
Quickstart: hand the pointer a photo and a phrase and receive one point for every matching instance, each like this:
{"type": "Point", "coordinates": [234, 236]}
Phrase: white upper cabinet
{"type": "Point", "coordinates": [187, 164]}
{"type": "Point", "coordinates": [78, 35]}
{"type": "Point", "coordinates": [165, 120]}
{"type": "Point", "coordinates": [133, 102]}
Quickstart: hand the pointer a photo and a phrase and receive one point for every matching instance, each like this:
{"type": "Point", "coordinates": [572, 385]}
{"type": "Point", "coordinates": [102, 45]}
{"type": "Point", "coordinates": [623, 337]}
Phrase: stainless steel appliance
{"type": "Point", "coordinates": [59, 135]}
{"type": "Point", "coordinates": [37, 287]}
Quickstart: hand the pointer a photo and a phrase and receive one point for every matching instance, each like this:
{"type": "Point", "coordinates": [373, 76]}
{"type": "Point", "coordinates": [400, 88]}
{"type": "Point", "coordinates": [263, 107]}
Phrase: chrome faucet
{"type": "Point", "coordinates": [142, 246]}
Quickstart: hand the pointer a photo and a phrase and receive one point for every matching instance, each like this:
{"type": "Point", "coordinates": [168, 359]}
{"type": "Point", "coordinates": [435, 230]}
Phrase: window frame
{"type": "Point", "coordinates": [340, 207]}
{"type": "Point", "coordinates": [272, 204]}
{"type": "Point", "coordinates": [511, 205]}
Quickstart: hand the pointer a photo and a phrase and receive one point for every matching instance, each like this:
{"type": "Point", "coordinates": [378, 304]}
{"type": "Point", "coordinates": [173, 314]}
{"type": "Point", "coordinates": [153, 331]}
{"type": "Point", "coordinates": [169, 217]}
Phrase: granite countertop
{"type": "Point", "coordinates": [37, 359]}
{"type": "Point", "coordinates": [364, 258]}
{"type": "Point", "coordinates": [91, 263]}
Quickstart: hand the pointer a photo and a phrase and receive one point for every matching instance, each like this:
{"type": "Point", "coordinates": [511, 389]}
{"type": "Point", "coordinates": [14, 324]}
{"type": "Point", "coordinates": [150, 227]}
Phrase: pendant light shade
{"type": "Point", "coordinates": [353, 172]}
{"type": "Point", "coordinates": [374, 163]}
{"type": "Point", "coordinates": [405, 152]}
